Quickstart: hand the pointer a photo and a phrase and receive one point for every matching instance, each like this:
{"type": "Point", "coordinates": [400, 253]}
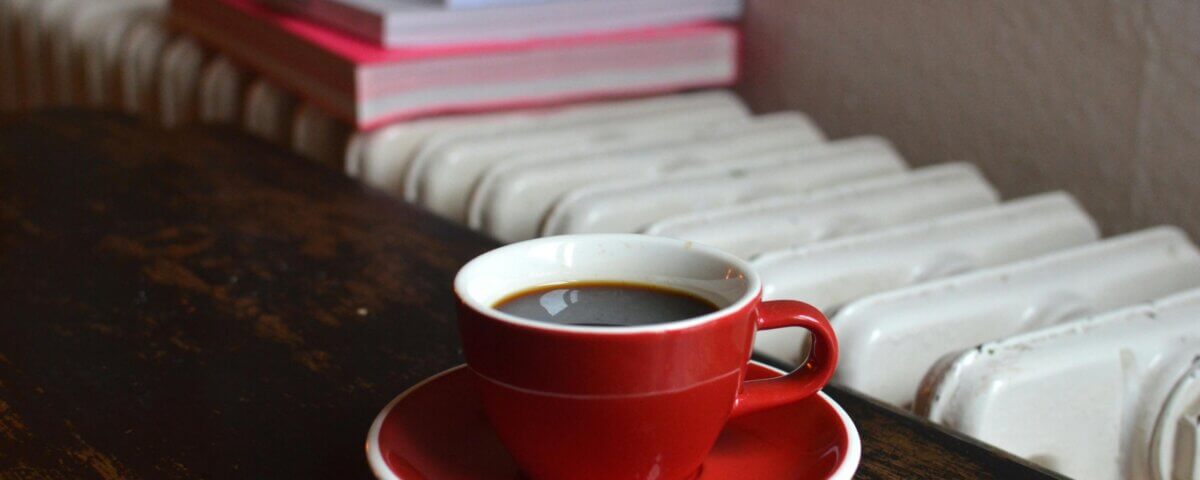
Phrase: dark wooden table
{"type": "Point", "coordinates": [198, 304]}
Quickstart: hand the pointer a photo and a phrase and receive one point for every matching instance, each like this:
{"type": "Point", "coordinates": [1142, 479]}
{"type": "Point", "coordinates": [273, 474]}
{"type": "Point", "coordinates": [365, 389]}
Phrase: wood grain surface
{"type": "Point", "coordinates": [198, 304]}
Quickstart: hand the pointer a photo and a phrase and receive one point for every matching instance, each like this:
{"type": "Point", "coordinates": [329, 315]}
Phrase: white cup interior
{"type": "Point", "coordinates": [708, 273]}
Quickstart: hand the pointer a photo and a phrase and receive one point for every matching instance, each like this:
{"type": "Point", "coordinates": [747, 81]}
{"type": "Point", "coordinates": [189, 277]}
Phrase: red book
{"type": "Point", "coordinates": [369, 85]}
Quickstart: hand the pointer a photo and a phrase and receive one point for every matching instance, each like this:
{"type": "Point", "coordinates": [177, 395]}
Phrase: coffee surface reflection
{"type": "Point", "coordinates": [604, 304]}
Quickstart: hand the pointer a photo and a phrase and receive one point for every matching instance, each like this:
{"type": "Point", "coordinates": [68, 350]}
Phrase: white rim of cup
{"type": "Point", "coordinates": [753, 284]}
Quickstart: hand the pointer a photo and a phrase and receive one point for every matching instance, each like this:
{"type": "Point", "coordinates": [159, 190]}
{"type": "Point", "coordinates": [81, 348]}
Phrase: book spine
{"type": "Point", "coordinates": [297, 65]}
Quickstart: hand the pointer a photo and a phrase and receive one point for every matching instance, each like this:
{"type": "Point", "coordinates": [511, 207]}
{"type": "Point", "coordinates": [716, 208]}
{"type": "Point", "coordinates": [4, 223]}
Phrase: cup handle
{"type": "Point", "coordinates": [806, 380]}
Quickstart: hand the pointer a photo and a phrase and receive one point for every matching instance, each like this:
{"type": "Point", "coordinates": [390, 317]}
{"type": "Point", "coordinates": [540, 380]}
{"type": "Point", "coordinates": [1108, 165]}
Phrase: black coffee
{"type": "Point", "coordinates": [604, 304]}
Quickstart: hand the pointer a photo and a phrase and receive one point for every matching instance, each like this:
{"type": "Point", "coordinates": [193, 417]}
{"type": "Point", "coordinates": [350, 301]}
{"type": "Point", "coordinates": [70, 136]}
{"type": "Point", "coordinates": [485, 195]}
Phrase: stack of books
{"type": "Point", "coordinates": [373, 62]}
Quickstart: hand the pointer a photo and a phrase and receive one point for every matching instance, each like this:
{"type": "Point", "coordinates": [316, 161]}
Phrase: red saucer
{"type": "Point", "coordinates": [437, 431]}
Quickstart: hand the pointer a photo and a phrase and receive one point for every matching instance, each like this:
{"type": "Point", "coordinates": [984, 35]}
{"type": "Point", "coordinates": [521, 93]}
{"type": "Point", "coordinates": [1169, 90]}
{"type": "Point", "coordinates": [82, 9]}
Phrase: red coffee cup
{"type": "Point", "coordinates": [636, 402]}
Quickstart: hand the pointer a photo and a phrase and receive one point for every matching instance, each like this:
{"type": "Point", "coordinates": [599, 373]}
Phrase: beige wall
{"type": "Point", "coordinates": [1097, 97]}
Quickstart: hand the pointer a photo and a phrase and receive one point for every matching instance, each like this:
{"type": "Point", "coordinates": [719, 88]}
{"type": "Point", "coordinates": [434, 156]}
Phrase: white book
{"type": "Point", "coordinates": [392, 23]}
{"type": "Point", "coordinates": [457, 4]}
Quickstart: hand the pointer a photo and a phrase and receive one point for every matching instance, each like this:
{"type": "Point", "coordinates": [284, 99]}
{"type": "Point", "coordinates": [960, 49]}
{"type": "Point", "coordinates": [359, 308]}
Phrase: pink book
{"type": "Point", "coordinates": [369, 85]}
